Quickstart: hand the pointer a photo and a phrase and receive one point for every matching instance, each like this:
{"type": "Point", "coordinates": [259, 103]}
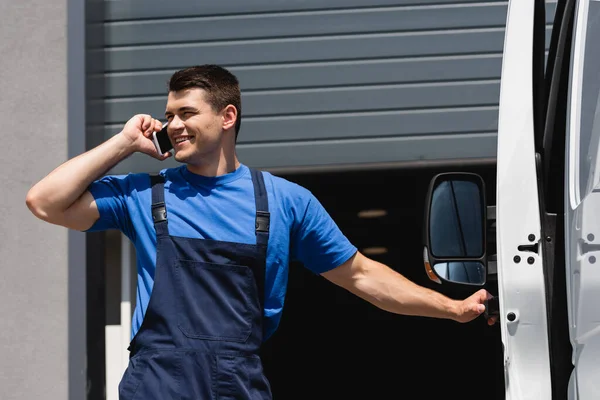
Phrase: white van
{"type": "Point", "coordinates": [541, 234]}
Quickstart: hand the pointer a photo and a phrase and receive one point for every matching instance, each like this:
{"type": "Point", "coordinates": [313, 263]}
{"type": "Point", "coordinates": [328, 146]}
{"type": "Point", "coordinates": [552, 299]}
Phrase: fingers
{"type": "Point", "coordinates": [474, 306]}
{"type": "Point", "coordinates": [157, 125]}
{"type": "Point", "coordinates": [161, 157]}
{"type": "Point", "coordinates": [479, 308]}
{"type": "Point", "coordinates": [139, 130]}
{"type": "Point", "coordinates": [148, 125]}
{"type": "Point", "coordinates": [483, 294]}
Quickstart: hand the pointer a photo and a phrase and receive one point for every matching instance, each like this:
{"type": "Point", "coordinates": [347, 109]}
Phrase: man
{"type": "Point", "coordinates": [213, 240]}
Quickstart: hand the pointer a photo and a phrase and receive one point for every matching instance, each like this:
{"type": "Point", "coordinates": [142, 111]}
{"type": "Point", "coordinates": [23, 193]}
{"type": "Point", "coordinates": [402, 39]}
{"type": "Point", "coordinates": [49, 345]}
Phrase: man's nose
{"type": "Point", "coordinates": [176, 124]}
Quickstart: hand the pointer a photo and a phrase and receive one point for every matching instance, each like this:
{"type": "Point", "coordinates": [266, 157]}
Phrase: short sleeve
{"type": "Point", "coordinates": [112, 194]}
{"type": "Point", "coordinates": [317, 241]}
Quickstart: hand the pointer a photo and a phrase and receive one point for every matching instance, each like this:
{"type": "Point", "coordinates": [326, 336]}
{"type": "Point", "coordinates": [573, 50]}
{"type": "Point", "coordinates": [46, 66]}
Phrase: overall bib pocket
{"type": "Point", "coordinates": [213, 300]}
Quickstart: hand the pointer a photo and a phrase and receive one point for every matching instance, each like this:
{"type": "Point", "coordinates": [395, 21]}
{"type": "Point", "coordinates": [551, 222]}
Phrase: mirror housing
{"type": "Point", "coordinates": [455, 229]}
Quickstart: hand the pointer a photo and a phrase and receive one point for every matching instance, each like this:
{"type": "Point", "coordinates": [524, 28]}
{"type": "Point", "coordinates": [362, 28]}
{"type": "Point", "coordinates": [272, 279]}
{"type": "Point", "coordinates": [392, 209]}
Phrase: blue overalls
{"type": "Point", "coordinates": [203, 328]}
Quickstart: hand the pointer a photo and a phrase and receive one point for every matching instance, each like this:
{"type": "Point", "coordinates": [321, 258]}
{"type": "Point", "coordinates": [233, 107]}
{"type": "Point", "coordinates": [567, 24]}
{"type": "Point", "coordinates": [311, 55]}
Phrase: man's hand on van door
{"type": "Point", "coordinates": [473, 306]}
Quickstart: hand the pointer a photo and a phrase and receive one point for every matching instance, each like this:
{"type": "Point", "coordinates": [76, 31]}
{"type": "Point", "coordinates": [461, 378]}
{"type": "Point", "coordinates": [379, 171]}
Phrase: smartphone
{"type": "Point", "coordinates": [161, 140]}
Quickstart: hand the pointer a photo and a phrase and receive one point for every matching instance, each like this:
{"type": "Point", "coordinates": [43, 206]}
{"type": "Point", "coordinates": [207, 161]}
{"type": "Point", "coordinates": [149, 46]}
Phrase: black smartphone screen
{"type": "Point", "coordinates": [163, 140]}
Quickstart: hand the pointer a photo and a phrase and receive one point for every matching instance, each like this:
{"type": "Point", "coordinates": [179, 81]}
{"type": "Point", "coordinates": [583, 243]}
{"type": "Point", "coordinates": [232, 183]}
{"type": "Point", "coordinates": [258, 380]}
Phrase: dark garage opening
{"type": "Point", "coordinates": [333, 345]}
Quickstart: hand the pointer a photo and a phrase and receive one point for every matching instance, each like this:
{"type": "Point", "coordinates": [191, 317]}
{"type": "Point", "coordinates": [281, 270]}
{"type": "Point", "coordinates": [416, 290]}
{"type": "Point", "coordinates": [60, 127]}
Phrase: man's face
{"type": "Point", "coordinates": [195, 129]}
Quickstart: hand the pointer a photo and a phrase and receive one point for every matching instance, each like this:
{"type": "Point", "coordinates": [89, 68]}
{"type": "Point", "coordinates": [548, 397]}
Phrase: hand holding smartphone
{"type": "Point", "coordinates": [161, 140]}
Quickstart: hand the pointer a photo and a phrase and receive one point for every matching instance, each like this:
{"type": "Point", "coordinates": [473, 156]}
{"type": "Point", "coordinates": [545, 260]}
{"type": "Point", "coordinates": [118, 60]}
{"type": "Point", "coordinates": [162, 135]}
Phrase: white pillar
{"type": "Point", "coordinates": [119, 336]}
{"type": "Point", "coordinates": [126, 262]}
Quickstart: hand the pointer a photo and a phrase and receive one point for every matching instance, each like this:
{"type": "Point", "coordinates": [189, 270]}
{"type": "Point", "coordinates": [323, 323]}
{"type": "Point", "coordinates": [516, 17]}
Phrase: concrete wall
{"type": "Point", "coordinates": [39, 358]}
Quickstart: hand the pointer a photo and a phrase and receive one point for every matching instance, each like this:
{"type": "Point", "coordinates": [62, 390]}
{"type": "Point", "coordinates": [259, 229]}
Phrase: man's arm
{"type": "Point", "coordinates": [62, 197]}
{"type": "Point", "coordinates": [390, 291]}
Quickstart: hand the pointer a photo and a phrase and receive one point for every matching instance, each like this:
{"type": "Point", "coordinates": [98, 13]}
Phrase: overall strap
{"type": "Point", "coordinates": [159, 210]}
{"type": "Point", "coordinates": [263, 222]}
{"type": "Point", "coordinates": [263, 218]}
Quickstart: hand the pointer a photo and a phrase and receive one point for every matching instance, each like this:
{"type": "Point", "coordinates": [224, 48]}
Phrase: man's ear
{"type": "Point", "coordinates": [229, 117]}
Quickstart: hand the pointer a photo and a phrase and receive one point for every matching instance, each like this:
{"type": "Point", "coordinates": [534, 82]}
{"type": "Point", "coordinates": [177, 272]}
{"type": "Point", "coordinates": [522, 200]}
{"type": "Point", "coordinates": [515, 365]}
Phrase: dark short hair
{"type": "Point", "coordinates": [221, 86]}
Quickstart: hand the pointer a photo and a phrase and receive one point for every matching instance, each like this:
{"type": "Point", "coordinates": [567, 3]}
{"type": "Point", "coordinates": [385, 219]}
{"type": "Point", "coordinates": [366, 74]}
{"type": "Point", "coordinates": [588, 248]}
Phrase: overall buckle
{"type": "Point", "coordinates": [159, 212]}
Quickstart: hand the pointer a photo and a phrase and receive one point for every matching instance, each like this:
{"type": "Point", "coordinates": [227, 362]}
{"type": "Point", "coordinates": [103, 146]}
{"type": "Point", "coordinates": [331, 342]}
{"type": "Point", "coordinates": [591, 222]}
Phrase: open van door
{"type": "Point", "coordinates": [520, 259]}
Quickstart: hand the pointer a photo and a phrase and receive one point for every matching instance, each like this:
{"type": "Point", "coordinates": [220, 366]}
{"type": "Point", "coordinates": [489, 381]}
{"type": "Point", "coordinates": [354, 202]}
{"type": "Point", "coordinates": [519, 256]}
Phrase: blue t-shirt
{"type": "Point", "coordinates": [222, 208]}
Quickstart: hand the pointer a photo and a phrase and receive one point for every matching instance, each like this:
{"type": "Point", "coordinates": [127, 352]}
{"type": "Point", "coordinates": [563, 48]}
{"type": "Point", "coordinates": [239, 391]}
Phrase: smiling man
{"type": "Point", "coordinates": [213, 240]}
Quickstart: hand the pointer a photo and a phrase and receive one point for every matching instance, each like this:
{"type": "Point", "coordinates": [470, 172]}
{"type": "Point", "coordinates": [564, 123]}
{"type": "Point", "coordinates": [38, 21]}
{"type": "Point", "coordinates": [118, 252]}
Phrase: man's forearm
{"type": "Point", "coordinates": [62, 187]}
{"type": "Point", "coordinates": [390, 291]}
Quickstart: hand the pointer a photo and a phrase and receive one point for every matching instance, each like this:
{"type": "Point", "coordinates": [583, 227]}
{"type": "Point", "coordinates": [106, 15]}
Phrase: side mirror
{"type": "Point", "coordinates": [455, 229]}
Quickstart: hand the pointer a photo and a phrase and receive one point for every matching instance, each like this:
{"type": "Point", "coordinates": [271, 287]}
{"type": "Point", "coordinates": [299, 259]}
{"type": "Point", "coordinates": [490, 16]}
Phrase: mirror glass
{"type": "Point", "coordinates": [456, 224]}
{"type": "Point", "coordinates": [472, 272]}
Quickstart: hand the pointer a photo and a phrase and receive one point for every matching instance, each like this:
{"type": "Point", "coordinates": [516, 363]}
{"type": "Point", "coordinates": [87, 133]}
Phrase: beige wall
{"type": "Point", "coordinates": [37, 353]}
